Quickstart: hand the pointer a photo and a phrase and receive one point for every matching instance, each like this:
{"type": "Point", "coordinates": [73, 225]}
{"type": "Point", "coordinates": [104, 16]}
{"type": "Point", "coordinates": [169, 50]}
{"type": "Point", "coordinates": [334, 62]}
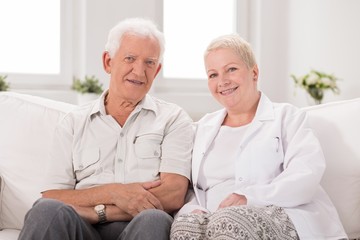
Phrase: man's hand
{"type": "Point", "coordinates": [135, 197]}
{"type": "Point", "coordinates": [233, 200]}
{"type": "Point", "coordinates": [123, 201]}
{"type": "Point", "coordinates": [171, 192]}
{"type": "Point", "coordinates": [150, 185]}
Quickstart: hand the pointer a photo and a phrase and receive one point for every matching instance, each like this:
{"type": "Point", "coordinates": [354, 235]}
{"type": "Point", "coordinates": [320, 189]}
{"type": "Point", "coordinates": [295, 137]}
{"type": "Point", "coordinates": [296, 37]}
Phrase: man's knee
{"type": "Point", "coordinates": [47, 219]}
{"type": "Point", "coordinates": [46, 209]}
{"type": "Point", "coordinates": [149, 224]}
{"type": "Point", "coordinates": [47, 203]}
{"type": "Point", "coordinates": [154, 217]}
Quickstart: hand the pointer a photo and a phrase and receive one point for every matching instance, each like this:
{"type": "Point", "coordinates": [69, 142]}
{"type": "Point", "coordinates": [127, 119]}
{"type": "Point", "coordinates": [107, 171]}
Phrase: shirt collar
{"type": "Point", "coordinates": [147, 103]}
{"type": "Point", "coordinates": [99, 106]}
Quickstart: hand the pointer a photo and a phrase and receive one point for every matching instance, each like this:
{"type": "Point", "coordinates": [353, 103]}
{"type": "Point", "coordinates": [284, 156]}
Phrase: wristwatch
{"type": "Point", "coordinates": [100, 210]}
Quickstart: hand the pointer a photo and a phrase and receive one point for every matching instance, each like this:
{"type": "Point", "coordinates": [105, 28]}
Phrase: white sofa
{"type": "Point", "coordinates": [27, 124]}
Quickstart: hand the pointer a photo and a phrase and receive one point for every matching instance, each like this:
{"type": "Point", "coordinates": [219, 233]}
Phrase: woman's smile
{"type": "Point", "coordinates": [228, 91]}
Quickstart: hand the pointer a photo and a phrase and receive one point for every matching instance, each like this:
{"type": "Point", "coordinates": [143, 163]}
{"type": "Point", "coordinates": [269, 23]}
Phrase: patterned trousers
{"type": "Point", "coordinates": [237, 222]}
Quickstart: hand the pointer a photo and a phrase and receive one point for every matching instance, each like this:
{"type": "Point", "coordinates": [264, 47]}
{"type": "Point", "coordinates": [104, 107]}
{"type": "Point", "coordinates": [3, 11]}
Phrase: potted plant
{"type": "Point", "coordinates": [315, 83]}
{"type": "Point", "coordinates": [4, 86]}
{"type": "Point", "coordinates": [89, 88]}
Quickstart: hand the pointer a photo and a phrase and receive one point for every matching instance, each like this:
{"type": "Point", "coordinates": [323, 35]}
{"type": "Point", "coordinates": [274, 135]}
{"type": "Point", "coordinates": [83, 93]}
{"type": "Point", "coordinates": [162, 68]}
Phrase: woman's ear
{"type": "Point", "coordinates": [106, 62]}
{"type": "Point", "coordinates": [255, 71]}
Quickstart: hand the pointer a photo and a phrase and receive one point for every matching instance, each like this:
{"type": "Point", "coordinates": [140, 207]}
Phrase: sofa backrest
{"type": "Point", "coordinates": [337, 125]}
{"type": "Point", "coordinates": [26, 129]}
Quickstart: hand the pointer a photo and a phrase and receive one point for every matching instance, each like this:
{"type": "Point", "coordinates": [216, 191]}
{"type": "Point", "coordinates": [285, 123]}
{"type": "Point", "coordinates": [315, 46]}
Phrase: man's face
{"type": "Point", "coordinates": [133, 67]}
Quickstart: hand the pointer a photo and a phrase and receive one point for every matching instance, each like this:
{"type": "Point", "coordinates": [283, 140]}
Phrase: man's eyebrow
{"type": "Point", "coordinates": [152, 58]}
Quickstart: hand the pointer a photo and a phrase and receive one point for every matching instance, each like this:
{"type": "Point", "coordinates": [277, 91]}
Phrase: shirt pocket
{"type": "Point", "coordinates": [148, 145]}
{"type": "Point", "coordinates": [148, 153]}
{"type": "Point", "coordinates": [86, 163]}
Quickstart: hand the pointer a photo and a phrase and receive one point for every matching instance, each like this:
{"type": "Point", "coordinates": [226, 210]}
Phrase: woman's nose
{"type": "Point", "coordinates": [223, 81]}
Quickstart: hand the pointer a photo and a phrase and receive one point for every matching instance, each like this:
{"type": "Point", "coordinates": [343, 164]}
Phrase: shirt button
{"type": "Point", "coordinates": [120, 160]}
{"type": "Point", "coordinates": [240, 179]}
{"type": "Point", "coordinates": [156, 153]}
{"type": "Point", "coordinates": [121, 134]}
{"type": "Point", "coordinates": [81, 166]}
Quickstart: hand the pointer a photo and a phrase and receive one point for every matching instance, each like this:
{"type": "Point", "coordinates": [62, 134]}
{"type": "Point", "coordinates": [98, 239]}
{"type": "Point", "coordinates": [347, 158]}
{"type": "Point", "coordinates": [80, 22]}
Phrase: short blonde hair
{"type": "Point", "coordinates": [234, 42]}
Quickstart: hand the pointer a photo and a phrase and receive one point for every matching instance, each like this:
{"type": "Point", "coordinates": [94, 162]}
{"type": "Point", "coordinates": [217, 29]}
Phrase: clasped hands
{"type": "Point", "coordinates": [124, 201]}
{"type": "Point", "coordinates": [136, 197]}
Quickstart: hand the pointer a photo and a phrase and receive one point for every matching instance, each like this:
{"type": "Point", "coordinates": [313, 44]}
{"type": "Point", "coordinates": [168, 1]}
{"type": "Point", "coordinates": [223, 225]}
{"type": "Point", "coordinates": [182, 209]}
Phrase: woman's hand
{"type": "Point", "coordinates": [198, 211]}
{"type": "Point", "coordinates": [233, 200]}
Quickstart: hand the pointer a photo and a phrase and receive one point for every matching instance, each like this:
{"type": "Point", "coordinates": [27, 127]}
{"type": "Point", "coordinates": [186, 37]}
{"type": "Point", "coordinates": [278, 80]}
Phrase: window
{"type": "Point", "coordinates": [188, 27]}
{"type": "Point", "coordinates": [32, 45]}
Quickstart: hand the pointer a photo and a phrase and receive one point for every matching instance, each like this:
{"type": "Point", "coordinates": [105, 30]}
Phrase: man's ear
{"type": "Point", "coordinates": [106, 62]}
{"type": "Point", "coordinates": [158, 70]}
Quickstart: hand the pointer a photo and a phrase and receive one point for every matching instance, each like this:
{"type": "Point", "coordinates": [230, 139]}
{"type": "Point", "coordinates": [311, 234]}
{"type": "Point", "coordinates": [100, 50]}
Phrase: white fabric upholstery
{"type": "Point", "coordinates": [9, 234]}
{"type": "Point", "coordinates": [26, 128]}
{"type": "Point", "coordinates": [337, 125]}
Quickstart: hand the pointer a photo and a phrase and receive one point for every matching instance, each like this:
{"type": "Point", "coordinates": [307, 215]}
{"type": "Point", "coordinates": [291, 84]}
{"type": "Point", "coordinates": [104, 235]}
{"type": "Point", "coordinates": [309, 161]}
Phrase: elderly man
{"type": "Point", "coordinates": [120, 165]}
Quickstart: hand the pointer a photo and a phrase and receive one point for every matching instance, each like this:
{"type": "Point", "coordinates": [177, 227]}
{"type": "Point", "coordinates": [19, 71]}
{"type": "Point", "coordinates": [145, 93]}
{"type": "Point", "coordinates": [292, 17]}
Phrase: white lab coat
{"type": "Point", "coordinates": [280, 162]}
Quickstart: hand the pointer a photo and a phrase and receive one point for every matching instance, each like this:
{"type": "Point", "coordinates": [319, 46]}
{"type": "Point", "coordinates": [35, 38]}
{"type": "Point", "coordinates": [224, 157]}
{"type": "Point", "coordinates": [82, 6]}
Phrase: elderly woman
{"type": "Point", "coordinates": [257, 165]}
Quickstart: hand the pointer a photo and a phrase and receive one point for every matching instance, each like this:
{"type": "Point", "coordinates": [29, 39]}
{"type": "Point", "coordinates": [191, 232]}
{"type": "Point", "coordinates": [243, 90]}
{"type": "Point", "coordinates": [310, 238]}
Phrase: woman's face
{"type": "Point", "coordinates": [230, 81]}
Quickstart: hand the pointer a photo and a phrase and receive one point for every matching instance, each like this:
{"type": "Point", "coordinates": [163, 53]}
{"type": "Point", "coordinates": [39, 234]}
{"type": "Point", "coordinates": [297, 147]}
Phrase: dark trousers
{"type": "Point", "coordinates": [50, 219]}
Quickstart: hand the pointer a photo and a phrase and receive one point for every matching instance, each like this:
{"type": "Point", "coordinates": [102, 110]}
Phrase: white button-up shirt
{"type": "Point", "coordinates": [90, 148]}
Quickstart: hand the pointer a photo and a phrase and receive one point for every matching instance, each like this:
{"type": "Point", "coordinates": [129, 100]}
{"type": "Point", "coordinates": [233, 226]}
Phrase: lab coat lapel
{"type": "Point", "coordinates": [264, 112]}
{"type": "Point", "coordinates": [205, 136]}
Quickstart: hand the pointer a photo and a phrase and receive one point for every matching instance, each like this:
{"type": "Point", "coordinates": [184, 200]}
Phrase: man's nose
{"type": "Point", "coordinates": [139, 68]}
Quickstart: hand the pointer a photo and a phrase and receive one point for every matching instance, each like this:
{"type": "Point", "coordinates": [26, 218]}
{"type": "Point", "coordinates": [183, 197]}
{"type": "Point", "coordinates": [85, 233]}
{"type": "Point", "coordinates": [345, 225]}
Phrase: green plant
{"type": "Point", "coordinates": [88, 85]}
{"type": "Point", "coordinates": [4, 86]}
{"type": "Point", "coordinates": [315, 83]}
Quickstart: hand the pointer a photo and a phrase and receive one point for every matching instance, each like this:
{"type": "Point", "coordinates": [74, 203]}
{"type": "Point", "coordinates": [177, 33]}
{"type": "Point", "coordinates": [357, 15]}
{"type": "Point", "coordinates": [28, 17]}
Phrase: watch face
{"type": "Point", "coordinates": [99, 207]}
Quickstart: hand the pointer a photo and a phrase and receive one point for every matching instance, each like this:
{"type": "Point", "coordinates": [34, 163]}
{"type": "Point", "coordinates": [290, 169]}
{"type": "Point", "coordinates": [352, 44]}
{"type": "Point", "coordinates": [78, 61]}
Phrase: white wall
{"type": "Point", "coordinates": [325, 35]}
{"type": "Point", "coordinates": [94, 19]}
{"type": "Point", "coordinates": [288, 36]}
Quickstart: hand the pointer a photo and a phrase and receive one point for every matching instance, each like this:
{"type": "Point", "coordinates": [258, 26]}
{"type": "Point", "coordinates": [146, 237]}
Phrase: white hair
{"type": "Point", "coordinates": [137, 26]}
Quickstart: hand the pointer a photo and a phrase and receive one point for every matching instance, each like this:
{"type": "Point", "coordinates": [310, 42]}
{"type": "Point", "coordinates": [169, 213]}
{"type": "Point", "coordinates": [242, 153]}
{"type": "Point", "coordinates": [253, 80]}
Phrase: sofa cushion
{"type": "Point", "coordinates": [9, 234]}
{"type": "Point", "coordinates": [337, 126]}
{"type": "Point", "coordinates": [26, 127]}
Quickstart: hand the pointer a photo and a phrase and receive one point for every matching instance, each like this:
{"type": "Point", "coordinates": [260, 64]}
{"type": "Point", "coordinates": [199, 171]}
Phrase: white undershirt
{"type": "Point", "coordinates": [217, 170]}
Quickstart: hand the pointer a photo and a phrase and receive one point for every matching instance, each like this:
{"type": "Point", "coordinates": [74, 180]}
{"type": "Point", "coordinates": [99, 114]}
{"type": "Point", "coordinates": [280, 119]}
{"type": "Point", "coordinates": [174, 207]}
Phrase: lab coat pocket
{"type": "Point", "coordinates": [86, 162]}
{"type": "Point", "coordinates": [266, 158]}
